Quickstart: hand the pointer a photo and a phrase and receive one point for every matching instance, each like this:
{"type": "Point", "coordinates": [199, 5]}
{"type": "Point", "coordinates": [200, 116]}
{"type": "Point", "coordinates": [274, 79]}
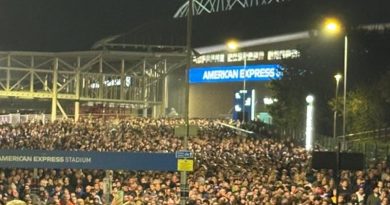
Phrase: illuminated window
{"type": "Point", "coordinates": [250, 56]}
{"type": "Point", "coordinates": [283, 54]}
{"type": "Point", "coordinates": [230, 57]}
{"type": "Point", "coordinates": [211, 58]}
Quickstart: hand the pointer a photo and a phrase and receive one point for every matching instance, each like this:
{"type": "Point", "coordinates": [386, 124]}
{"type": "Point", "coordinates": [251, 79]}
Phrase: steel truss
{"type": "Point", "coordinates": [136, 78]}
{"type": "Point", "coordinates": [211, 6]}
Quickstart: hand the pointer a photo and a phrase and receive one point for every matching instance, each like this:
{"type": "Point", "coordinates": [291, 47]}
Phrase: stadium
{"type": "Point", "coordinates": [112, 125]}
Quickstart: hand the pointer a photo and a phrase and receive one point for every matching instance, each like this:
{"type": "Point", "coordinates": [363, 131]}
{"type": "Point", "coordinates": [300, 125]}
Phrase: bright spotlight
{"type": "Point", "coordinates": [232, 45]}
{"type": "Point", "coordinates": [309, 99]}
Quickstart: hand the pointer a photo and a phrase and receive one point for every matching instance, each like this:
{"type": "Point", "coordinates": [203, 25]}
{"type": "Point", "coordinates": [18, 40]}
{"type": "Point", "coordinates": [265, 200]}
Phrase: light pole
{"type": "Point", "coordinates": [183, 175]}
{"type": "Point", "coordinates": [233, 46]}
{"type": "Point", "coordinates": [309, 122]}
{"type": "Point", "coordinates": [333, 26]}
{"type": "Point", "coordinates": [345, 86]}
{"type": "Point", "coordinates": [244, 90]}
{"type": "Point", "coordinates": [337, 77]}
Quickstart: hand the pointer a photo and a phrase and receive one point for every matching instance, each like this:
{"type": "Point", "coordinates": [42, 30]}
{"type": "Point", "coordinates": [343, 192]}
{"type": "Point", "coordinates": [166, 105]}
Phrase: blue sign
{"type": "Point", "coordinates": [183, 154]}
{"type": "Point", "coordinates": [88, 160]}
{"type": "Point", "coordinates": [244, 103]}
{"type": "Point", "coordinates": [223, 74]}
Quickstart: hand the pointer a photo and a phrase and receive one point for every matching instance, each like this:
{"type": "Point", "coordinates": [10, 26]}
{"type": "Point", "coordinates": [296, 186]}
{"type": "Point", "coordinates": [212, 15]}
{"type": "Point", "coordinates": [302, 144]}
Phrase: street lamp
{"type": "Point", "coordinates": [309, 122]}
{"type": "Point", "coordinates": [338, 76]}
{"type": "Point", "coordinates": [332, 26]}
{"type": "Point", "coordinates": [233, 45]}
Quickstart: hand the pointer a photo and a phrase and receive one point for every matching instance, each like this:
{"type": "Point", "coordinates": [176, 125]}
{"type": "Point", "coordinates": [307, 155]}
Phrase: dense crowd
{"type": "Point", "coordinates": [231, 169]}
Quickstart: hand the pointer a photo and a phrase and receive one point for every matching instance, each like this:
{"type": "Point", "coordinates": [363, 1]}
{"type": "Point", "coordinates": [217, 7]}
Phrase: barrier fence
{"type": "Point", "coordinates": [375, 145]}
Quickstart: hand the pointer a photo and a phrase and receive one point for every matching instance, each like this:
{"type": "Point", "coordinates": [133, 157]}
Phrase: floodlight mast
{"type": "Point", "coordinates": [183, 175]}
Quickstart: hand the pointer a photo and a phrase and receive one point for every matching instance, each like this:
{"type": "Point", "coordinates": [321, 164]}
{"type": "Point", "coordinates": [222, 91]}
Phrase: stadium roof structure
{"type": "Point", "coordinates": [217, 21]}
{"type": "Point", "coordinates": [145, 55]}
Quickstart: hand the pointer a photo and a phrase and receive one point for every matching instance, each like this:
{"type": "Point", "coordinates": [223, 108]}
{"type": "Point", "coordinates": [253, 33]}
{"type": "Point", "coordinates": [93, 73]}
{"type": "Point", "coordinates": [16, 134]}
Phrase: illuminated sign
{"type": "Point", "coordinates": [244, 102]}
{"type": "Point", "coordinates": [87, 160]}
{"type": "Point", "coordinates": [113, 82]}
{"type": "Point", "coordinates": [235, 73]}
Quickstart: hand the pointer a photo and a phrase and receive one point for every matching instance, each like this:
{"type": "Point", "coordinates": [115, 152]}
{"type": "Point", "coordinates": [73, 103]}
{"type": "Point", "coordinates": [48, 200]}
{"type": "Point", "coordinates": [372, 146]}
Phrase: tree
{"type": "Point", "coordinates": [290, 92]}
{"type": "Point", "coordinates": [384, 87]}
{"type": "Point", "coordinates": [365, 108]}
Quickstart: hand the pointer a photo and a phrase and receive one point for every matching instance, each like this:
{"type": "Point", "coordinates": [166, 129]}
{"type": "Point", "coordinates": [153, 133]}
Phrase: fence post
{"type": "Point", "coordinates": [376, 151]}
{"type": "Point", "coordinates": [387, 152]}
{"type": "Point", "coordinates": [364, 151]}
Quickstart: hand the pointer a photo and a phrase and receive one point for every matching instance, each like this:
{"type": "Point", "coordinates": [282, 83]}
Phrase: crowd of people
{"type": "Point", "coordinates": [230, 168]}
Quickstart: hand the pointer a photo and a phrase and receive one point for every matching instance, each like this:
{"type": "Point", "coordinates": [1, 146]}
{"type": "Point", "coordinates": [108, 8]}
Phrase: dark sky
{"type": "Point", "coordinates": [54, 25]}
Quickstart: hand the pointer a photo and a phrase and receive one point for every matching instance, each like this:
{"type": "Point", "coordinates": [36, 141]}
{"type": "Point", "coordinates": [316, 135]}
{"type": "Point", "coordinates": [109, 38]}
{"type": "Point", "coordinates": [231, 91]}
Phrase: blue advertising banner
{"type": "Point", "coordinates": [223, 74]}
{"type": "Point", "coordinates": [88, 160]}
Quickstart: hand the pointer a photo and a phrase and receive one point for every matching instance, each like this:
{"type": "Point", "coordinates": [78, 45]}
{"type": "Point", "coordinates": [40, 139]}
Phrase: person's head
{"type": "Point", "coordinates": [375, 190]}
{"type": "Point", "coordinates": [344, 183]}
{"type": "Point", "coordinates": [361, 190]}
{"type": "Point", "coordinates": [385, 201]}
{"type": "Point", "coordinates": [80, 202]}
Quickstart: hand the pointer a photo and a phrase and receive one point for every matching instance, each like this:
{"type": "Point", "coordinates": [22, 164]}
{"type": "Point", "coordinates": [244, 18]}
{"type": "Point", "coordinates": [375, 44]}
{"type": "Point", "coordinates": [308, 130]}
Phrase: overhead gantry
{"type": "Point", "coordinates": [125, 77]}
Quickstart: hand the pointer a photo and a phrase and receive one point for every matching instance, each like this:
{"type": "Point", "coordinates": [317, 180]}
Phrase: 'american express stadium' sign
{"type": "Point", "coordinates": [223, 74]}
{"type": "Point", "coordinates": [88, 160]}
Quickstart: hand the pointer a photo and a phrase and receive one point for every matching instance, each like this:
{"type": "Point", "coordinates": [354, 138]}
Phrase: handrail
{"type": "Point", "coordinates": [236, 128]}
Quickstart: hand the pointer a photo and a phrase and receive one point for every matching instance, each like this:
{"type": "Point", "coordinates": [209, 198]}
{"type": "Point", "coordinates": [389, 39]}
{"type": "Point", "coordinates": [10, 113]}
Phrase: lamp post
{"type": "Point", "coordinates": [233, 46]}
{"type": "Point", "coordinates": [337, 77]}
{"type": "Point", "coordinates": [183, 174]}
{"type": "Point", "coordinates": [309, 122]}
{"type": "Point", "coordinates": [333, 26]}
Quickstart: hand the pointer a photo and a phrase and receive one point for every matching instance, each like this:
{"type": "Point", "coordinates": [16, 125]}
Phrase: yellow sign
{"type": "Point", "coordinates": [185, 165]}
{"type": "Point", "coordinates": [181, 130]}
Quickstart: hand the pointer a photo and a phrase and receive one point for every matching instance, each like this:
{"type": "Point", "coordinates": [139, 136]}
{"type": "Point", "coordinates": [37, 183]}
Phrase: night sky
{"type": "Point", "coordinates": [54, 25]}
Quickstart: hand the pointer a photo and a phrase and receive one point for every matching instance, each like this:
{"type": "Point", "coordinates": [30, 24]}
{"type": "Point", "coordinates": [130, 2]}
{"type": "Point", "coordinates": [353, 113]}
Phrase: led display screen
{"type": "Point", "coordinates": [223, 74]}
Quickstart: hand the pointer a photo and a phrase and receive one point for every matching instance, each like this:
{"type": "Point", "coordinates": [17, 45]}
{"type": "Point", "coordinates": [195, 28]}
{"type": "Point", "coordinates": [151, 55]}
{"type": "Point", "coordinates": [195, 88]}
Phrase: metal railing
{"type": "Point", "coordinates": [375, 144]}
{"type": "Point", "coordinates": [18, 118]}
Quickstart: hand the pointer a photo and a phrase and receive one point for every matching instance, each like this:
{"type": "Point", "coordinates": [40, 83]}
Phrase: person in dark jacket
{"type": "Point", "coordinates": [373, 199]}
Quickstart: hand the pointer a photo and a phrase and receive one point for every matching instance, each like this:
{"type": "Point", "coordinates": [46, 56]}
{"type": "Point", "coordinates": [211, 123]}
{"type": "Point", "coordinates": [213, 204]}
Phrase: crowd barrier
{"type": "Point", "coordinates": [17, 118]}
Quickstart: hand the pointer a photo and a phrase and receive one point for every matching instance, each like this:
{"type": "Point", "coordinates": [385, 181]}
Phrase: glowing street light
{"type": "Point", "coordinates": [333, 26]}
{"type": "Point", "coordinates": [309, 123]}
{"type": "Point", "coordinates": [338, 77]}
{"type": "Point", "coordinates": [233, 45]}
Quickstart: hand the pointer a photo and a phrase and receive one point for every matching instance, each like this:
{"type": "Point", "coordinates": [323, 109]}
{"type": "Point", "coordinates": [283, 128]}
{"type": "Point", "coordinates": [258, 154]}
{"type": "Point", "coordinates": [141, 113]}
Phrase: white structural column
{"type": "Point", "coordinates": [123, 80]}
{"type": "Point", "coordinates": [309, 122]}
{"type": "Point", "coordinates": [154, 111]}
{"type": "Point", "coordinates": [8, 73]}
{"type": "Point", "coordinates": [77, 101]}
{"type": "Point", "coordinates": [32, 75]}
{"type": "Point", "coordinates": [144, 91]}
{"type": "Point", "coordinates": [54, 91]}
{"type": "Point", "coordinates": [165, 90]}
{"type": "Point", "coordinates": [101, 78]}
